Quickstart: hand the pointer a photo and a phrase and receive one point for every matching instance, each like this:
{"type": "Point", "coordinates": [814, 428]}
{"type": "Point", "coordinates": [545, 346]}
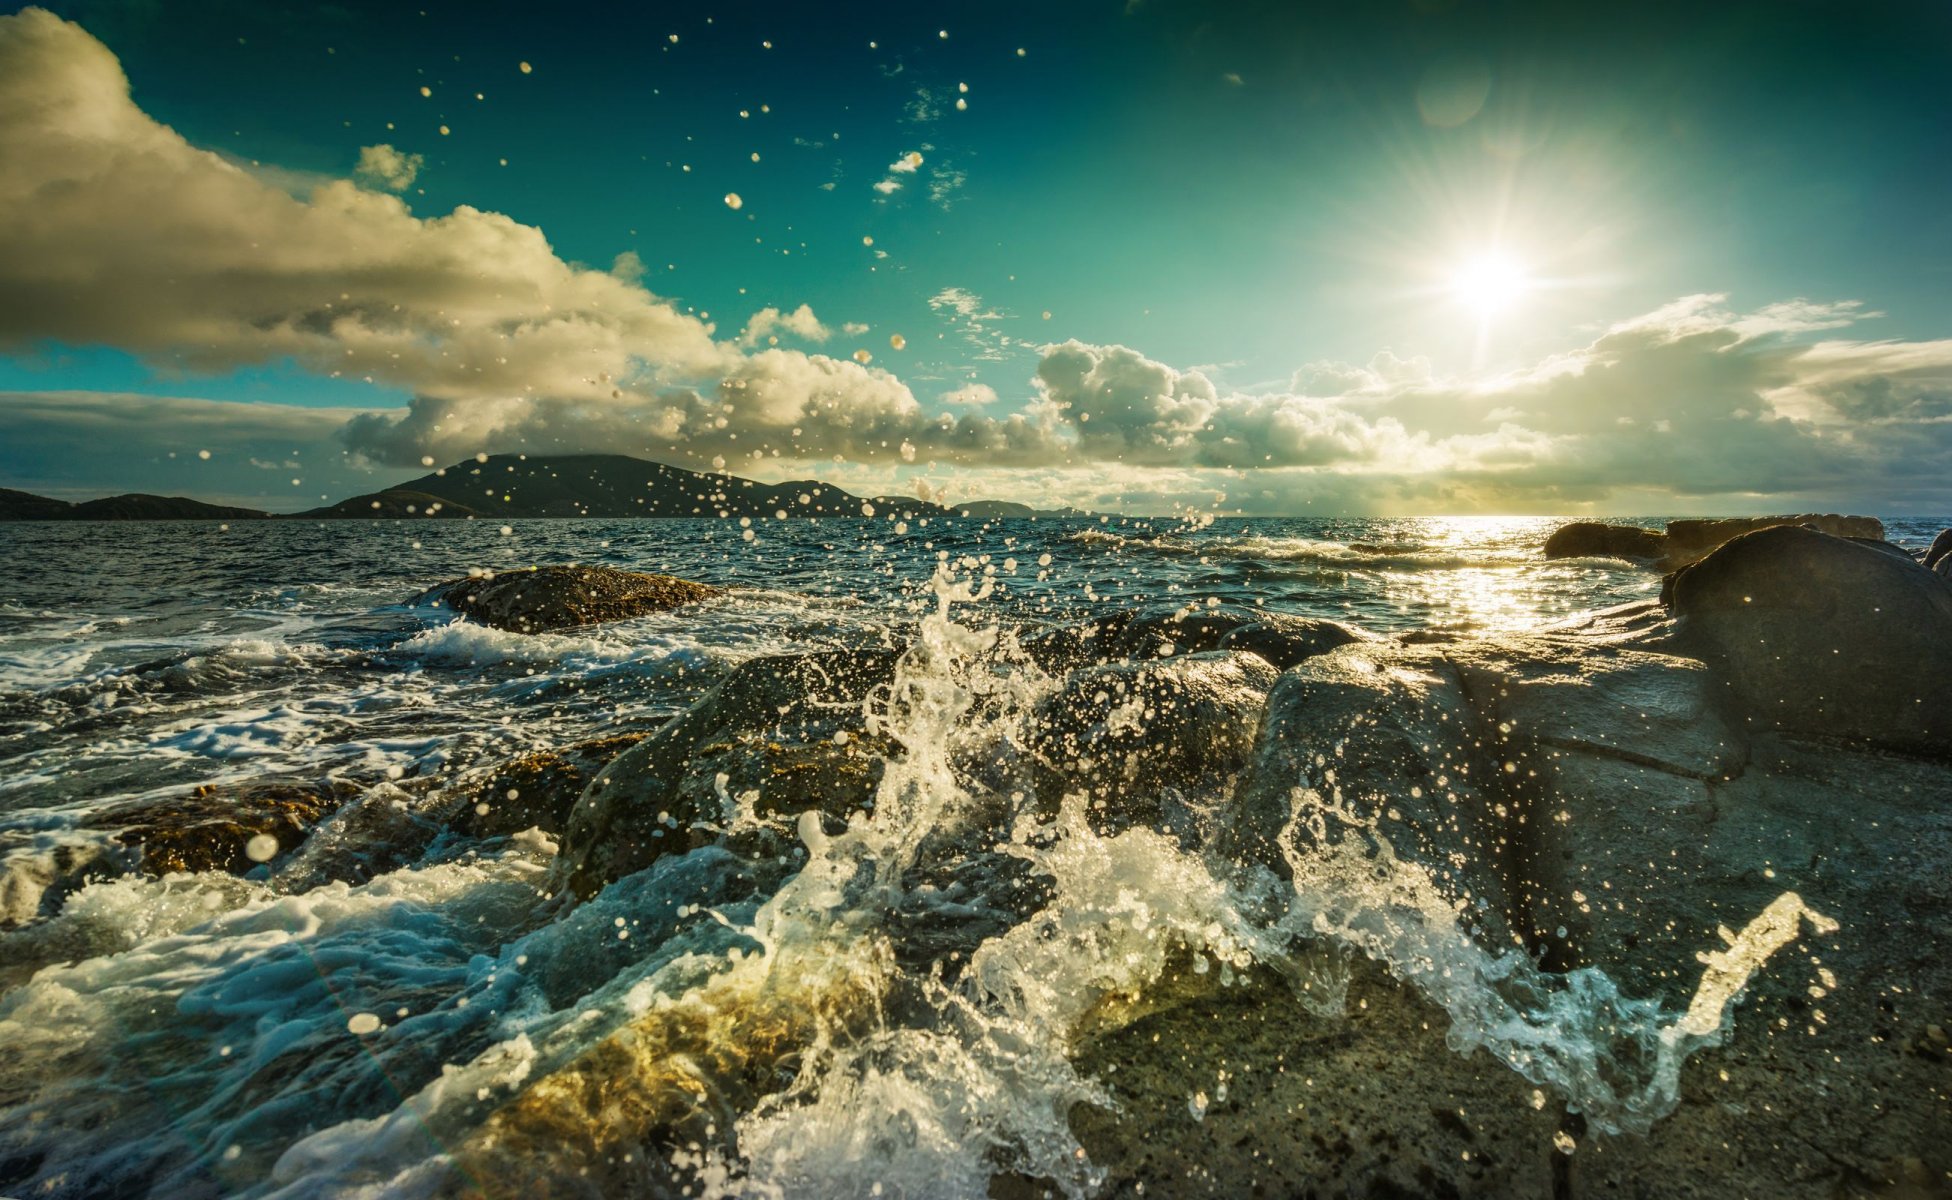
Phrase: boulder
{"type": "Point", "coordinates": [780, 736]}
{"type": "Point", "coordinates": [1374, 744]}
{"type": "Point", "coordinates": [1596, 539]}
{"type": "Point", "coordinates": [1820, 635]}
{"type": "Point", "coordinates": [1693, 539]}
{"type": "Point", "coordinates": [534, 791]}
{"type": "Point", "coordinates": [539, 599]}
{"type": "Point", "coordinates": [1125, 732]}
{"type": "Point", "coordinates": [1940, 550]}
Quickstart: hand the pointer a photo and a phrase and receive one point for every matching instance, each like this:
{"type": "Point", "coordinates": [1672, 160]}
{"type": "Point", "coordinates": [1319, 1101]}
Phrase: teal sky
{"type": "Point", "coordinates": [1719, 224]}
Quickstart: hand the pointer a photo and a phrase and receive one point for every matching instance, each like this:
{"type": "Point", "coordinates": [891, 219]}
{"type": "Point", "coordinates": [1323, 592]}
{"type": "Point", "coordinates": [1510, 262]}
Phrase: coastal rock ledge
{"type": "Point", "coordinates": [540, 599]}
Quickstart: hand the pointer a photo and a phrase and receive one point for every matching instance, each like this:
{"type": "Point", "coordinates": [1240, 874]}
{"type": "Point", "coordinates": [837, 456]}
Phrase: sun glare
{"type": "Point", "coordinates": [1490, 283]}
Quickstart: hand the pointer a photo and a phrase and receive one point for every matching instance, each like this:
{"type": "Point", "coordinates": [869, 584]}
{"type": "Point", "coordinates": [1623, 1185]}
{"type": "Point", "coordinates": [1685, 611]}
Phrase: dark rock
{"type": "Point", "coordinates": [763, 746]}
{"type": "Point", "coordinates": [208, 829]}
{"type": "Point", "coordinates": [1137, 635]}
{"type": "Point", "coordinates": [1595, 539]}
{"type": "Point", "coordinates": [533, 791]}
{"type": "Point", "coordinates": [561, 597]}
{"type": "Point", "coordinates": [1125, 732]}
{"type": "Point", "coordinates": [1941, 548]}
{"type": "Point", "coordinates": [1821, 635]}
{"type": "Point", "coordinates": [1378, 741]}
{"type": "Point", "coordinates": [1692, 539]}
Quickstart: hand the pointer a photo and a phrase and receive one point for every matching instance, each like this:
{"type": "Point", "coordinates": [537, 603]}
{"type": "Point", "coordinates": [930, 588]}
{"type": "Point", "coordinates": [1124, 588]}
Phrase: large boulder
{"type": "Point", "coordinates": [780, 736]}
{"type": "Point", "coordinates": [1821, 635]}
{"type": "Point", "coordinates": [539, 599]}
{"type": "Point", "coordinates": [1124, 733]}
{"type": "Point", "coordinates": [1373, 744]}
{"type": "Point", "coordinates": [1595, 539]}
{"type": "Point", "coordinates": [1689, 540]}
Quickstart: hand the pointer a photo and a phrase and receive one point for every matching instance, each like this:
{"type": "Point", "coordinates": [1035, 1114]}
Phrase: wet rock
{"type": "Point", "coordinates": [212, 827]}
{"type": "Point", "coordinates": [1124, 732]}
{"type": "Point", "coordinates": [1596, 539]}
{"type": "Point", "coordinates": [1820, 635]}
{"type": "Point", "coordinates": [540, 599]}
{"type": "Point", "coordinates": [1138, 635]}
{"type": "Point", "coordinates": [1693, 539]}
{"type": "Point", "coordinates": [1379, 742]}
{"type": "Point", "coordinates": [780, 736]}
{"type": "Point", "coordinates": [1606, 757]}
{"type": "Point", "coordinates": [534, 791]}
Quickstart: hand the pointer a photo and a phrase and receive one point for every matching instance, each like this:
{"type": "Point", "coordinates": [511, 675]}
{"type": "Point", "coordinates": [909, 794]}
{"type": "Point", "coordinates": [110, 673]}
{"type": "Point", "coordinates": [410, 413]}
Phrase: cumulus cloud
{"type": "Point", "coordinates": [116, 231]}
{"type": "Point", "coordinates": [383, 166]}
{"type": "Point", "coordinates": [970, 394]}
{"type": "Point", "coordinates": [769, 322]}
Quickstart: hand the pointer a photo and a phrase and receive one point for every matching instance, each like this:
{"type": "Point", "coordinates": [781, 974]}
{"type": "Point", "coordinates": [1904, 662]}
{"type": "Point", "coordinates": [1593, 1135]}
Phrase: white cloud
{"type": "Point", "coordinates": [768, 322]}
{"type": "Point", "coordinates": [383, 166]}
{"type": "Point", "coordinates": [972, 394]}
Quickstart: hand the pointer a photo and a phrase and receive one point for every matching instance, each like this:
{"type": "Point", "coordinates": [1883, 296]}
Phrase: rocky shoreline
{"type": "Point", "coordinates": [1735, 802]}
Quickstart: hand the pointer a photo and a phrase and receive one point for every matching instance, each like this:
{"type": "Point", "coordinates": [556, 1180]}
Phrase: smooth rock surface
{"type": "Point", "coordinates": [1597, 539]}
{"type": "Point", "coordinates": [1820, 635]}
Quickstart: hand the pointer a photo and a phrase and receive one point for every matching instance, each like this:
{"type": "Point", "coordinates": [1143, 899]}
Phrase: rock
{"type": "Point", "coordinates": [534, 791]}
{"type": "Point", "coordinates": [1693, 539]}
{"type": "Point", "coordinates": [1941, 548]}
{"type": "Point", "coordinates": [1820, 635]}
{"type": "Point", "coordinates": [1125, 732]}
{"type": "Point", "coordinates": [540, 599]}
{"type": "Point", "coordinates": [1378, 741]}
{"type": "Point", "coordinates": [764, 745]}
{"type": "Point", "coordinates": [1137, 635]}
{"type": "Point", "coordinates": [212, 827]}
{"type": "Point", "coordinates": [1595, 539]}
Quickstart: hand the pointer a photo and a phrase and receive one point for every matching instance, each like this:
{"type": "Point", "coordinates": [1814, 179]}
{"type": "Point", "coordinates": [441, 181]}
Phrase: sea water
{"type": "Point", "coordinates": [293, 1033]}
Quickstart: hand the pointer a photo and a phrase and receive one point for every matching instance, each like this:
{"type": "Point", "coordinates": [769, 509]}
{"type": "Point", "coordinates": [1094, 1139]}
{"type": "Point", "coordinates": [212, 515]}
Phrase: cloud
{"type": "Point", "coordinates": [115, 231]}
{"type": "Point", "coordinates": [974, 321]}
{"type": "Point", "coordinates": [768, 322]}
{"type": "Point", "coordinates": [908, 164]}
{"type": "Point", "coordinates": [383, 166]}
{"type": "Point", "coordinates": [970, 394]}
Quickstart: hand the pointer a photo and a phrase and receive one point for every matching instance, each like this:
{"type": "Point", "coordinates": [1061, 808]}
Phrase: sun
{"type": "Point", "coordinates": [1490, 283]}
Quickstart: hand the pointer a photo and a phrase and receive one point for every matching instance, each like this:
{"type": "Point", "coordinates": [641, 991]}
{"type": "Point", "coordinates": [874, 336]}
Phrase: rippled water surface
{"type": "Point", "coordinates": [318, 1034]}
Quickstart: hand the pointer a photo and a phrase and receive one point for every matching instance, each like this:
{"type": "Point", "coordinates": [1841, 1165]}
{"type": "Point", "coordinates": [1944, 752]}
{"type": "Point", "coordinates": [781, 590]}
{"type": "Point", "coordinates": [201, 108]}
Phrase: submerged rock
{"type": "Point", "coordinates": [225, 827]}
{"type": "Point", "coordinates": [1821, 635]}
{"type": "Point", "coordinates": [540, 599]}
{"type": "Point", "coordinates": [1595, 539]}
{"type": "Point", "coordinates": [780, 736]}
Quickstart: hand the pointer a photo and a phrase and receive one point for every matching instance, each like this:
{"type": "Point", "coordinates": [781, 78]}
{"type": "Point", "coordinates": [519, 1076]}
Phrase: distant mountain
{"type": "Point", "coordinates": [606, 485]}
{"type": "Point", "coordinates": [506, 486]}
{"type": "Point", "coordinates": [135, 506]}
{"type": "Point", "coordinates": [1011, 509]}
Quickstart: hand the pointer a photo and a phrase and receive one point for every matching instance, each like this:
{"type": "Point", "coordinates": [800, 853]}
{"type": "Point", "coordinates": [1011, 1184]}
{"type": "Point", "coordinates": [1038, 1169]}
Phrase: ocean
{"type": "Point", "coordinates": [346, 1018]}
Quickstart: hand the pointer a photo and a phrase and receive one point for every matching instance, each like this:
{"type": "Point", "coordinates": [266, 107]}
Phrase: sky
{"type": "Point", "coordinates": [1409, 256]}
